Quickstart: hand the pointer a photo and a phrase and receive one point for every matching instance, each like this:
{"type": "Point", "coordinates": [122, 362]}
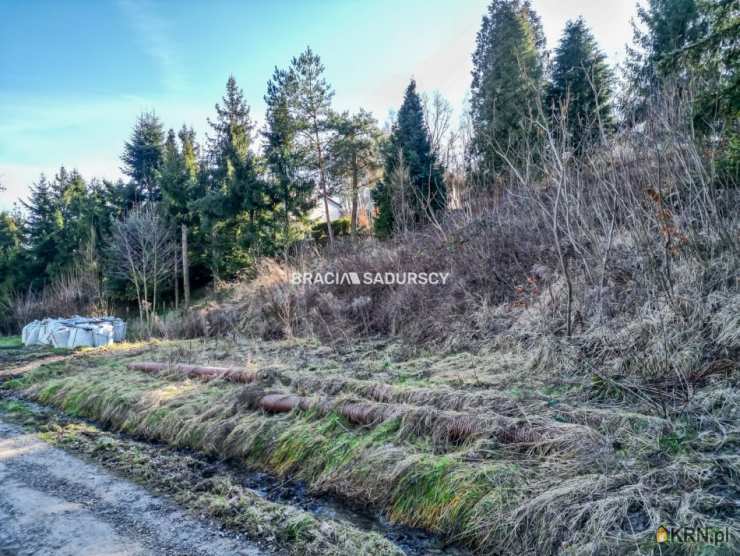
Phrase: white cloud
{"type": "Point", "coordinates": [153, 34]}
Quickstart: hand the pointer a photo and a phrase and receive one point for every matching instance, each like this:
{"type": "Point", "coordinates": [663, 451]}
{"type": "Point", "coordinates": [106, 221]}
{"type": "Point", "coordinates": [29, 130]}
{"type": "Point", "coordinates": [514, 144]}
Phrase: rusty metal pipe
{"type": "Point", "coordinates": [196, 371]}
{"type": "Point", "coordinates": [282, 403]}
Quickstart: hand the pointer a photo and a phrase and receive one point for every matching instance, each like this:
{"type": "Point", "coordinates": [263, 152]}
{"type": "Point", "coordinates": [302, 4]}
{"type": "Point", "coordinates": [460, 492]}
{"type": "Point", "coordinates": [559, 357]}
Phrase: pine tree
{"type": "Point", "coordinates": [409, 146]}
{"type": "Point", "coordinates": [507, 79]}
{"type": "Point", "coordinates": [142, 158]}
{"type": "Point", "coordinates": [292, 190]}
{"type": "Point", "coordinates": [580, 87]}
{"type": "Point", "coordinates": [355, 154]}
{"type": "Point", "coordinates": [312, 109]}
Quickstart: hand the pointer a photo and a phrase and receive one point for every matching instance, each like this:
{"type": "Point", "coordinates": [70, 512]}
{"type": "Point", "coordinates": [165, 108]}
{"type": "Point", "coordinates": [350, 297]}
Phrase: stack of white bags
{"type": "Point", "coordinates": [74, 332]}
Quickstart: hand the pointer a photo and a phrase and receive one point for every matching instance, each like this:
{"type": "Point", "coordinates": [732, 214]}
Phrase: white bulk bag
{"type": "Point", "coordinates": [102, 334]}
{"type": "Point", "coordinates": [60, 334]}
{"type": "Point", "coordinates": [119, 330]}
{"type": "Point", "coordinates": [44, 333]}
{"type": "Point", "coordinates": [80, 336]}
{"type": "Point", "coordinates": [75, 332]}
{"type": "Point", "coordinates": [30, 334]}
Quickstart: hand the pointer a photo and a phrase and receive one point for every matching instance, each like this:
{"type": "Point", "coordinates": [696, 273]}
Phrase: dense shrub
{"type": "Point", "coordinates": [78, 292]}
{"type": "Point", "coordinates": [339, 226]}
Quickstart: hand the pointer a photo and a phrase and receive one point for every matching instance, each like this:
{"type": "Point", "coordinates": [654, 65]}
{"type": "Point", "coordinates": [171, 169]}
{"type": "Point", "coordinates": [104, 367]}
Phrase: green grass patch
{"type": "Point", "coordinates": [677, 442]}
{"type": "Point", "coordinates": [14, 407]}
{"type": "Point", "coordinates": [10, 342]}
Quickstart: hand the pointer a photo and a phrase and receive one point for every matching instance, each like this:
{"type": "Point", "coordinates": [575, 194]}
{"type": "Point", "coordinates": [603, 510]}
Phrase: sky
{"type": "Point", "coordinates": [75, 74]}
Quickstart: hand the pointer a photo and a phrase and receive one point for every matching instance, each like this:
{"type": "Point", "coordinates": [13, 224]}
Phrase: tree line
{"type": "Point", "coordinates": [241, 192]}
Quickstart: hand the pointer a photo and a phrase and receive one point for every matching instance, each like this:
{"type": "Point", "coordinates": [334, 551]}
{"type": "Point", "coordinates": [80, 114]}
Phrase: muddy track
{"type": "Point", "coordinates": [54, 503]}
{"type": "Point", "coordinates": [10, 369]}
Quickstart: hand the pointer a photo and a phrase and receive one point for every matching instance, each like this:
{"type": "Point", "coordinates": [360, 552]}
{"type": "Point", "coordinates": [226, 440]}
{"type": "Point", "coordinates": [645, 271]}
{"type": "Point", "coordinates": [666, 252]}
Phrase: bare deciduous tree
{"type": "Point", "coordinates": [438, 117]}
{"type": "Point", "coordinates": [142, 251]}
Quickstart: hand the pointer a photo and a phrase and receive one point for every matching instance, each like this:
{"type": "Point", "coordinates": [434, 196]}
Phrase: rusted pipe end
{"type": "Point", "coordinates": [280, 403]}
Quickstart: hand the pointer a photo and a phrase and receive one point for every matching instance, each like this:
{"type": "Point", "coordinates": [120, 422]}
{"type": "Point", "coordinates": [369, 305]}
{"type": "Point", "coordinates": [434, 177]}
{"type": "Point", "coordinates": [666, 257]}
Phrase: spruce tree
{"type": "Point", "coordinates": [181, 189]}
{"type": "Point", "coordinates": [42, 231]}
{"type": "Point", "coordinates": [96, 216]}
{"type": "Point", "coordinates": [235, 193]}
{"type": "Point", "coordinates": [74, 207]}
{"type": "Point", "coordinates": [179, 174]}
{"type": "Point", "coordinates": [292, 189]}
{"type": "Point", "coordinates": [692, 45]}
{"type": "Point", "coordinates": [662, 29]}
{"type": "Point", "coordinates": [142, 158]}
{"type": "Point", "coordinates": [580, 87]}
{"type": "Point", "coordinates": [717, 56]}
{"type": "Point", "coordinates": [507, 83]}
{"type": "Point", "coordinates": [231, 163]}
{"type": "Point", "coordinates": [11, 252]}
{"type": "Point", "coordinates": [719, 52]}
{"type": "Point", "coordinates": [409, 147]}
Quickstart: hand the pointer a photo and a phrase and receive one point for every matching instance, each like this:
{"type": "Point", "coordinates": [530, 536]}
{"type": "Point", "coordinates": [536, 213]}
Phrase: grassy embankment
{"type": "Point", "coordinates": [547, 463]}
{"type": "Point", "coordinates": [203, 487]}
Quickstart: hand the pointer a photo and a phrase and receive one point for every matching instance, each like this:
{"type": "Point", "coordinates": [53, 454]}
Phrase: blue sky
{"type": "Point", "coordinates": [74, 74]}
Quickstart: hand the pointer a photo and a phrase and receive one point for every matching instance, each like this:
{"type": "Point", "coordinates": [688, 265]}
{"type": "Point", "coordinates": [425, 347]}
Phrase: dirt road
{"type": "Point", "coordinates": [52, 503]}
